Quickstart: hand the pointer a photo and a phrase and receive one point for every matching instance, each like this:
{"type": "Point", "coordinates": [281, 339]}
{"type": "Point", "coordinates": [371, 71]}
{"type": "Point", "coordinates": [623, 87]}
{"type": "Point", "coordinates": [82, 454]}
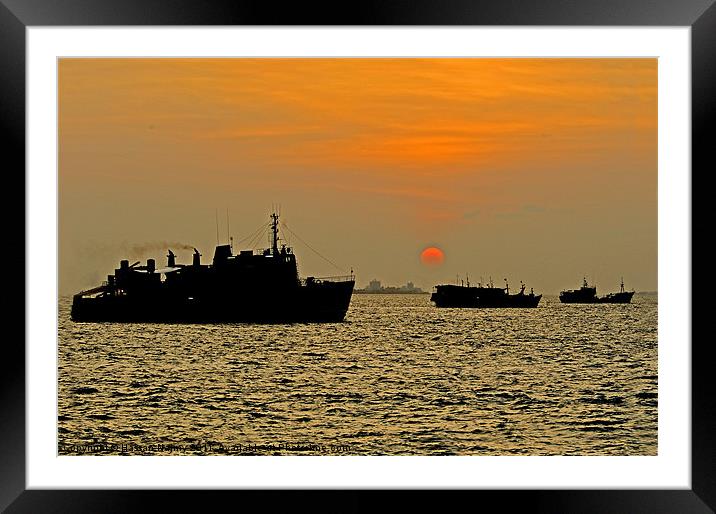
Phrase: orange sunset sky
{"type": "Point", "coordinates": [542, 170]}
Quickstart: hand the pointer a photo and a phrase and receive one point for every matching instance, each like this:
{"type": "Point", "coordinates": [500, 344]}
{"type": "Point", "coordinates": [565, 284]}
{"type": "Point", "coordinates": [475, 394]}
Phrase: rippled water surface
{"type": "Point", "coordinates": [398, 377]}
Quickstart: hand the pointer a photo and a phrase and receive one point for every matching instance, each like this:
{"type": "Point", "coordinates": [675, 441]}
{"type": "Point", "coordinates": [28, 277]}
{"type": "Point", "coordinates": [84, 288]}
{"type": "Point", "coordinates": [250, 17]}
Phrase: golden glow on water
{"type": "Point", "coordinates": [399, 377]}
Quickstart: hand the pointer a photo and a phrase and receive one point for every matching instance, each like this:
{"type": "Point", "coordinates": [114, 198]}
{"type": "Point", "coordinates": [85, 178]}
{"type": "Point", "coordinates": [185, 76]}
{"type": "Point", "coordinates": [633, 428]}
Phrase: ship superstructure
{"type": "Point", "coordinates": [588, 294]}
{"type": "Point", "coordinates": [449, 295]}
{"type": "Point", "coordinates": [262, 287]}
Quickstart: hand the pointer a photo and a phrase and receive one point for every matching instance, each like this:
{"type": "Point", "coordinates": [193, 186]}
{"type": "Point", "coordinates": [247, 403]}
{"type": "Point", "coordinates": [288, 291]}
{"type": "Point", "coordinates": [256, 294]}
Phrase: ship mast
{"type": "Point", "coordinates": [274, 230]}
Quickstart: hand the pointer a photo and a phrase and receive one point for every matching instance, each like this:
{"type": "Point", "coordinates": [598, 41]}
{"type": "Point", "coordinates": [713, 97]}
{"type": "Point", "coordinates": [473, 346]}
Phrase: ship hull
{"type": "Point", "coordinates": [320, 303]}
{"type": "Point", "coordinates": [481, 298]}
{"type": "Point", "coordinates": [577, 300]}
{"type": "Point", "coordinates": [624, 297]}
{"type": "Point", "coordinates": [529, 302]}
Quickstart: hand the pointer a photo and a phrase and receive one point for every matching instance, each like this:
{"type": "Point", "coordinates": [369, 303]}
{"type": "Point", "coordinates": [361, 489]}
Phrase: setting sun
{"type": "Point", "coordinates": [432, 256]}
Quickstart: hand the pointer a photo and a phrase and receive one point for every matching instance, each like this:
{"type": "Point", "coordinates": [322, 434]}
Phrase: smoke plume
{"type": "Point", "coordinates": [138, 250]}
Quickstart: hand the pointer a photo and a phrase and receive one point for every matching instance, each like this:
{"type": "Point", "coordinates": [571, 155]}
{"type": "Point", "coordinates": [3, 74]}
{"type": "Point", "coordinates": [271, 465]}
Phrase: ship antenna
{"type": "Point", "coordinates": [228, 237]}
{"type": "Point", "coordinates": [468, 279]}
{"type": "Point", "coordinates": [216, 216]}
{"type": "Point", "coordinates": [622, 284]}
{"type": "Point", "coordinates": [274, 230]}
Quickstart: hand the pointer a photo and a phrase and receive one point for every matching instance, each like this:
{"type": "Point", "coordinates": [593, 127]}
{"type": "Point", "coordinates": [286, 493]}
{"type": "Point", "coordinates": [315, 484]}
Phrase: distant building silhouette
{"type": "Point", "coordinates": [374, 286]}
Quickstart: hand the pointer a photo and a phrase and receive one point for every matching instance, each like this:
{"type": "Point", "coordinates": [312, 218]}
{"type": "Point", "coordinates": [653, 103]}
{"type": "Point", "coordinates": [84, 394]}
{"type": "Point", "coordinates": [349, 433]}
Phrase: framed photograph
{"type": "Point", "coordinates": [436, 247]}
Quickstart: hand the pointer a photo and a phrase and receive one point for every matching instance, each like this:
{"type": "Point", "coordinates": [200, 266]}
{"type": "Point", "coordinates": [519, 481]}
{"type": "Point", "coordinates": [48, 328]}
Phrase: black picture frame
{"type": "Point", "coordinates": [17, 15]}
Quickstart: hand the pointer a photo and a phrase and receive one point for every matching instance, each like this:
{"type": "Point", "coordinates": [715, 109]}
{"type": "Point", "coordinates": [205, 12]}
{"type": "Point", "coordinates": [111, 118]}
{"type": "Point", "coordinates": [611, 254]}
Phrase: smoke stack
{"type": "Point", "coordinates": [151, 265]}
{"type": "Point", "coordinates": [171, 262]}
{"type": "Point", "coordinates": [197, 258]}
{"type": "Point", "coordinates": [124, 265]}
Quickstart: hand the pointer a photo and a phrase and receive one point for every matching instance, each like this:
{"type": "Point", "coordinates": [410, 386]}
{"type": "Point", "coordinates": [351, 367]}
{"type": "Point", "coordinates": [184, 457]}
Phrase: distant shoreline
{"type": "Point", "coordinates": [361, 291]}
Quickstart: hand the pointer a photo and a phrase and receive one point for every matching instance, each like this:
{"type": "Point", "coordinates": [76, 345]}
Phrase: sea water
{"type": "Point", "coordinates": [397, 377]}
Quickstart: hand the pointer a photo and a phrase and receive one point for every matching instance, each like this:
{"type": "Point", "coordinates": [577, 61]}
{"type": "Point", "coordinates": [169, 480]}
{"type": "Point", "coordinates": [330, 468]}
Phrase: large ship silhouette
{"type": "Point", "coordinates": [588, 294]}
{"type": "Point", "coordinates": [449, 295]}
{"type": "Point", "coordinates": [261, 287]}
